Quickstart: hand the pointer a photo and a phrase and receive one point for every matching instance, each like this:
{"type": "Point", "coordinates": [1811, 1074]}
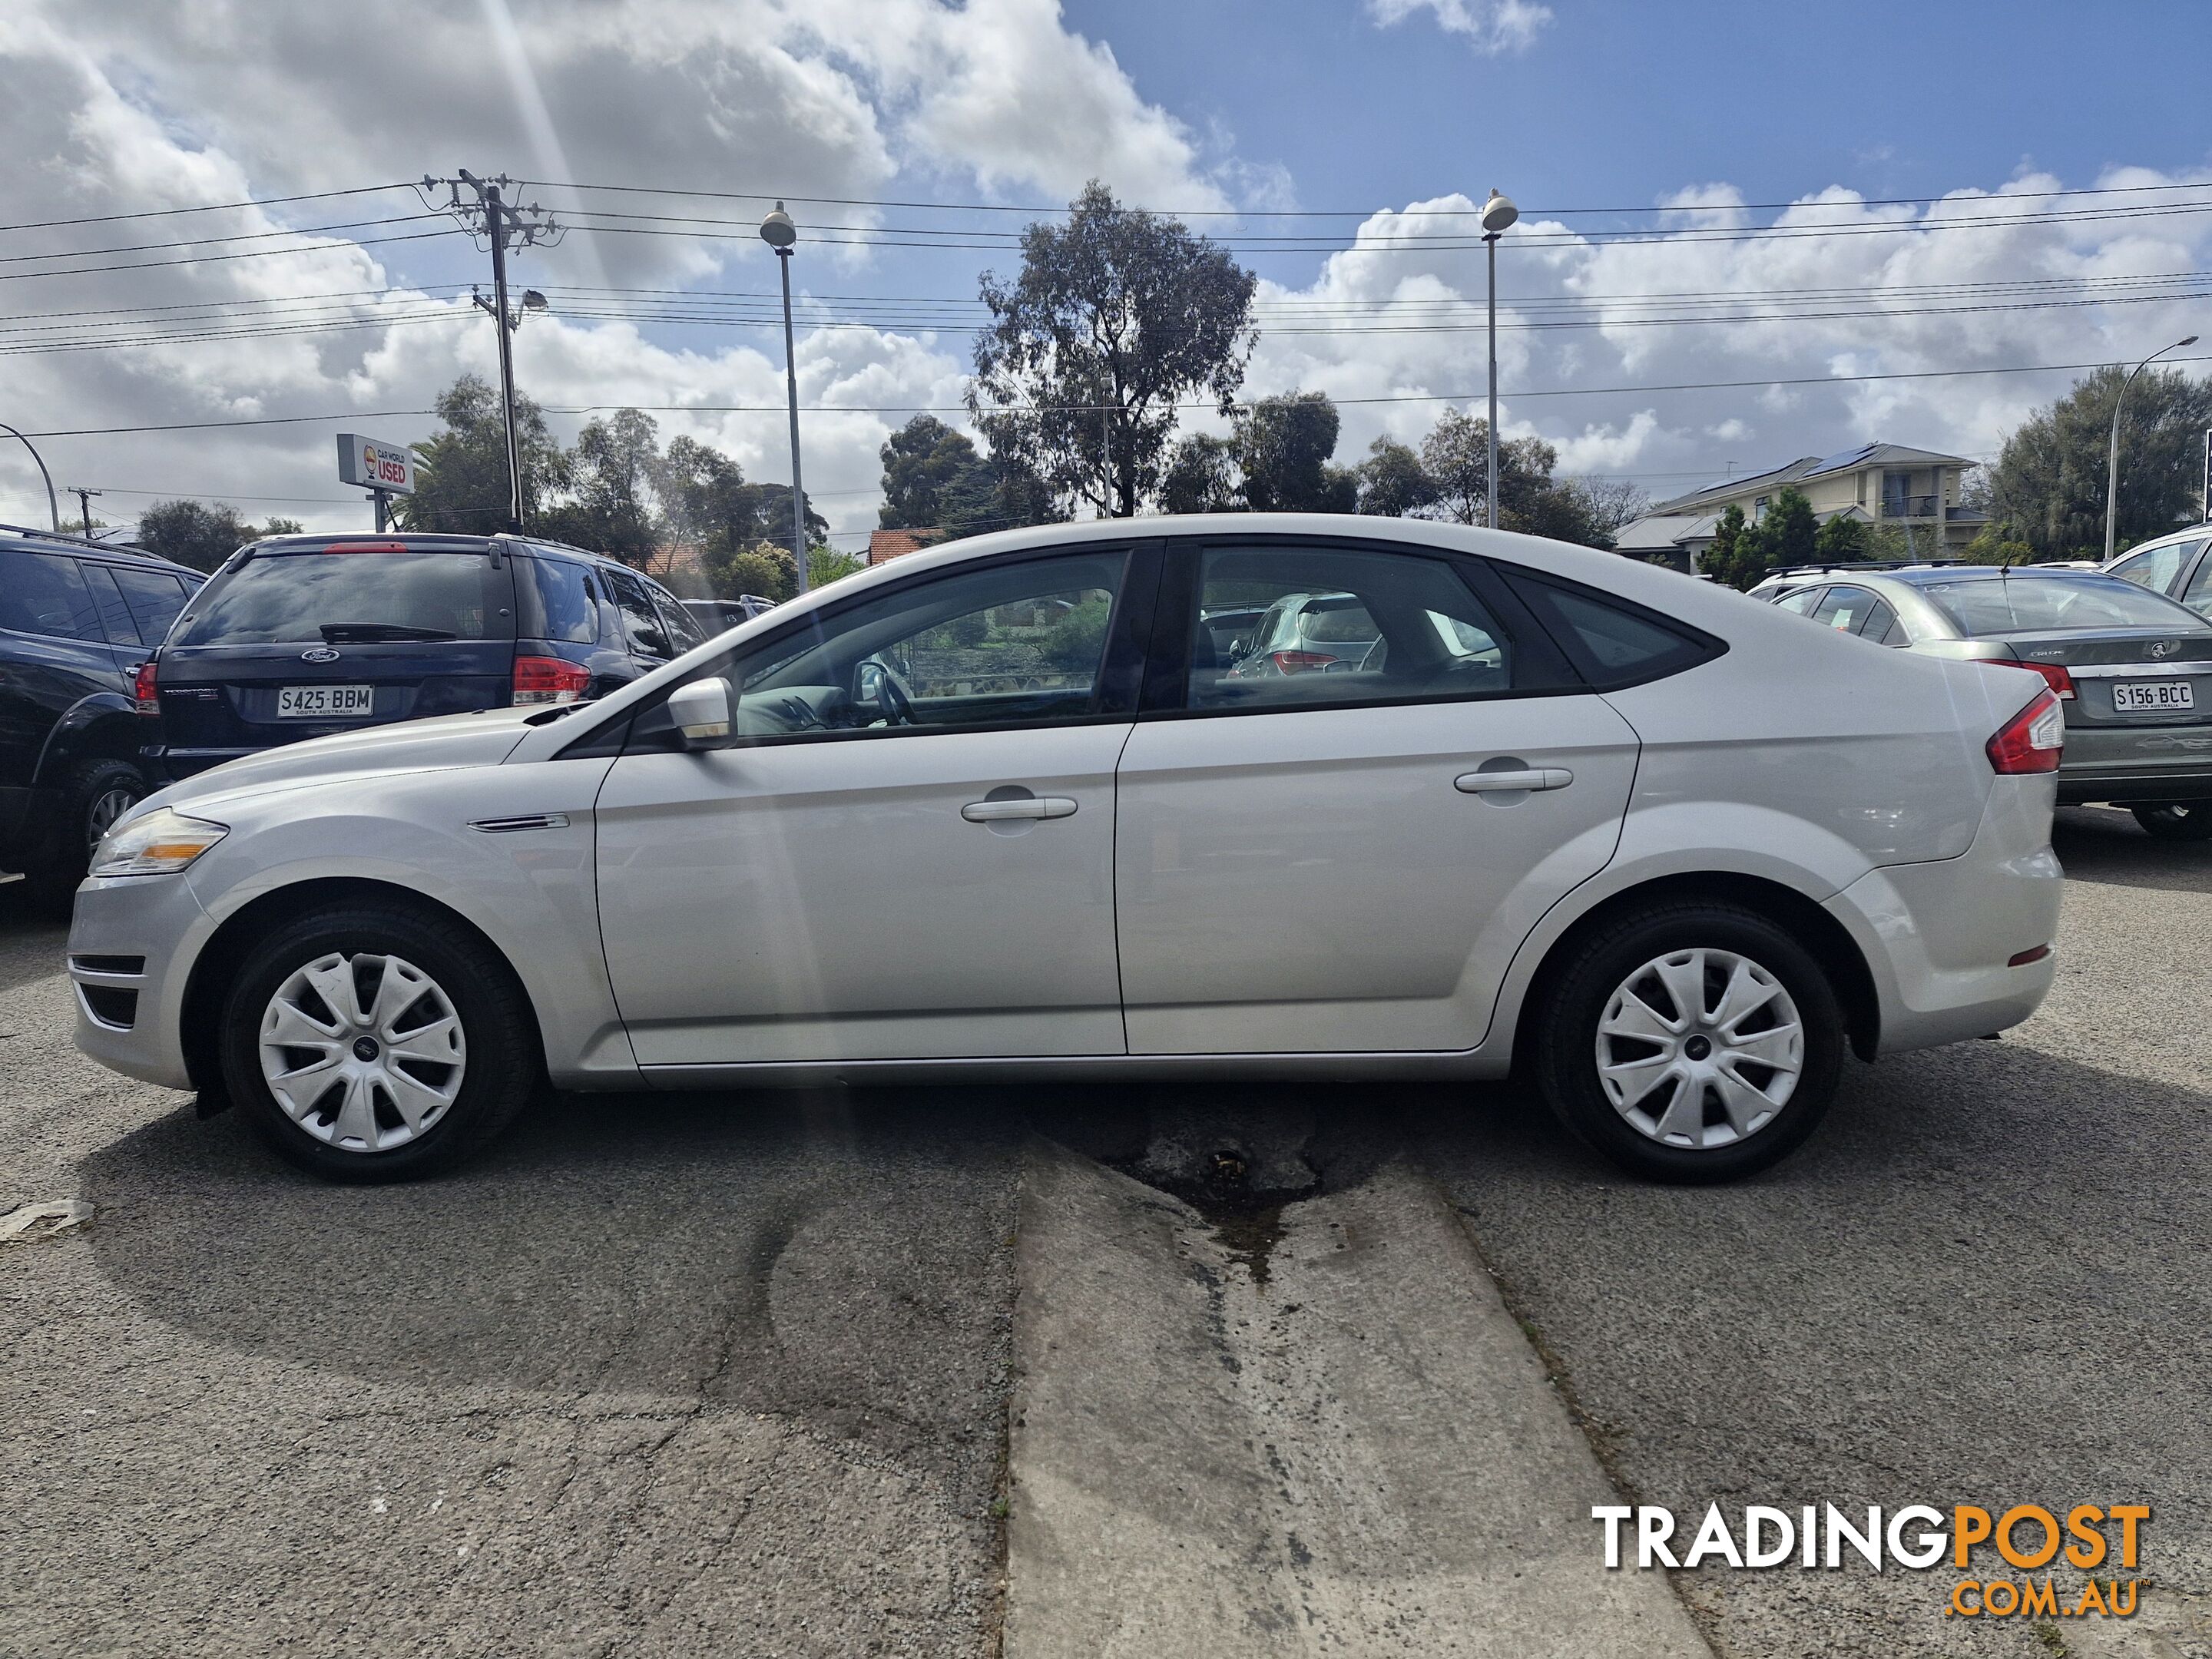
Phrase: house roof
{"type": "Point", "coordinates": [1657, 532]}
{"type": "Point", "coordinates": [1815, 466]}
{"type": "Point", "coordinates": [891, 543]}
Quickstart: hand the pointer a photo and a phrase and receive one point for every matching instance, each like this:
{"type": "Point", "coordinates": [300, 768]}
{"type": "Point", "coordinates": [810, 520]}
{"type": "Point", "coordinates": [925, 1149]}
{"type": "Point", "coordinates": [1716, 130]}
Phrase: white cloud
{"type": "Point", "coordinates": [1493, 26]}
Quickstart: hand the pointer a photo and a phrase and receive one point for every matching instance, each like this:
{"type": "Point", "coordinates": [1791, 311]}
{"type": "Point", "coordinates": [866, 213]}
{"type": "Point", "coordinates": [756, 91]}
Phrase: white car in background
{"type": "Point", "coordinates": [1001, 809]}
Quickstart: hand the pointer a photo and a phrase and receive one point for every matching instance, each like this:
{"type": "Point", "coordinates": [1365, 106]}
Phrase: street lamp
{"type": "Point", "coordinates": [2113, 462]}
{"type": "Point", "coordinates": [53, 505]}
{"type": "Point", "coordinates": [779, 232]}
{"type": "Point", "coordinates": [1497, 213]}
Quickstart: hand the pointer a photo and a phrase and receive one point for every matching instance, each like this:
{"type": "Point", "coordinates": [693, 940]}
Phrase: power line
{"type": "Point", "coordinates": [941, 409]}
{"type": "Point", "coordinates": [210, 207]}
{"type": "Point", "coordinates": [250, 253]}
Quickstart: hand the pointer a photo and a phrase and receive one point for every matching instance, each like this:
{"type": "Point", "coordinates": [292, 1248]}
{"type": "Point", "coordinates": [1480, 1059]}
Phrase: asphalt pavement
{"type": "Point", "coordinates": [733, 1373]}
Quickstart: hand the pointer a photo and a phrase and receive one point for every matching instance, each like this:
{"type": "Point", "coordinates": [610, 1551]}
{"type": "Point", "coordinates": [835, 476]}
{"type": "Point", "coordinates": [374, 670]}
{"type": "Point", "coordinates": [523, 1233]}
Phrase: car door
{"type": "Point", "coordinates": [53, 654]}
{"type": "Point", "coordinates": [908, 851]}
{"type": "Point", "coordinates": [1346, 859]}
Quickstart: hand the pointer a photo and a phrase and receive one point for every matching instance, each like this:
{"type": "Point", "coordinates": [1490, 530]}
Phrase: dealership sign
{"type": "Point", "coordinates": [373, 463]}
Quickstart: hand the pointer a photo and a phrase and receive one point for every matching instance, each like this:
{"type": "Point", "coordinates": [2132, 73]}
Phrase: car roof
{"type": "Point", "coordinates": [49, 541]}
{"type": "Point", "coordinates": [439, 541]}
{"type": "Point", "coordinates": [1952, 572]}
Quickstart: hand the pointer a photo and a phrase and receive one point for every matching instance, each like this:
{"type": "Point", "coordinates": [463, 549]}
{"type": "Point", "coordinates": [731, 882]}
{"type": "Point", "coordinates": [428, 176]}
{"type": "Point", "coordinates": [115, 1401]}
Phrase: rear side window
{"type": "Point", "coordinates": [1612, 641]}
{"type": "Point", "coordinates": [640, 626]}
{"type": "Point", "coordinates": [155, 598]}
{"type": "Point", "coordinates": [356, 598]}
{"type": "Point", "coordinates": [44, 594]}
{"type": "Point", "coordinates": [558, 601]}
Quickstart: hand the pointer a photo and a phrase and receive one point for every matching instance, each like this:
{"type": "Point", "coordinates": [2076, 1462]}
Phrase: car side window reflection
{"type": "Point", "coordinates": [1017, 643]}
{"type": "Point", "coordinates": [1344, 625]}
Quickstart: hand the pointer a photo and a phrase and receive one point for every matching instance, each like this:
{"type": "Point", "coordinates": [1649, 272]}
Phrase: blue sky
{"type": "Point", "coordinates": [1860, 330]}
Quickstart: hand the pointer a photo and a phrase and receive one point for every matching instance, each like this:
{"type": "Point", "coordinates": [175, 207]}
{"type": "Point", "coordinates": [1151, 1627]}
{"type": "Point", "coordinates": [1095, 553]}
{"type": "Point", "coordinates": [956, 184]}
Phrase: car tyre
{"type": "Point", "coordinates": [2177, 820]}
{"type": "Point", "coordinates": [374, 1042]}
{"type": "Point", "coordinates": [1720, 987]}
{"type": "Point", "coordinates": [94, 794]}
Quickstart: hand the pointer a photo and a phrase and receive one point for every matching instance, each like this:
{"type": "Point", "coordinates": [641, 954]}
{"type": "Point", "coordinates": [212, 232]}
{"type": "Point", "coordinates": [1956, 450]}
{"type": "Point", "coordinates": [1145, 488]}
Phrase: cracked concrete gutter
{"type": "Point", "coordinates": [1360, 1455]}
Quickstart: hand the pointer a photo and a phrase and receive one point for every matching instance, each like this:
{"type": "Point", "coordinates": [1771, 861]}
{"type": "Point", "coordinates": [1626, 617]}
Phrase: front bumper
{"type": "Point", "coordinates": [1939, 937]}
{"type": "Point", "coordinates": [157, 923]}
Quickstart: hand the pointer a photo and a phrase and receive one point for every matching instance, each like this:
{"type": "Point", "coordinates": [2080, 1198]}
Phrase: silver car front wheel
{"type": "Point", "coordinates": [364, 1052]}
{"type": "Point", "coordinates": [1700, 1048]}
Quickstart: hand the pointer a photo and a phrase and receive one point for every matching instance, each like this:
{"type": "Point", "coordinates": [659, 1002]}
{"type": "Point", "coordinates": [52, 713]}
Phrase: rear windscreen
{"type": "Point", "coordinates": [2007, 605]}
{"type": "Point", "coordinates": [284, 598]}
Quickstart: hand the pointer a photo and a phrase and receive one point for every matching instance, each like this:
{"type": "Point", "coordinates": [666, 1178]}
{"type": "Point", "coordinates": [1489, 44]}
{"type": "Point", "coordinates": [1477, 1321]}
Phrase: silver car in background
{"type": "Point", "coordinates": [997, 808]}
{"type": "Point", "coordinates": [2133, 670]}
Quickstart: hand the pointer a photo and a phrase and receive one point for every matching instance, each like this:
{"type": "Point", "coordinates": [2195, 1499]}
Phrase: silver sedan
{"type": "Point", "coordinates": [993, 810]}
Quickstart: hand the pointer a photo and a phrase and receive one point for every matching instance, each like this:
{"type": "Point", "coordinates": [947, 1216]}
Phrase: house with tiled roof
{"type": "Point", "coordinates": [1915, 491]}
{"type": "Point", "coordinates": [884, 545]}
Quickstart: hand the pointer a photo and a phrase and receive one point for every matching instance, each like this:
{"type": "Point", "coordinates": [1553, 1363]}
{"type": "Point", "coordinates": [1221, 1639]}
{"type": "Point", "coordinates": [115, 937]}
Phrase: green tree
{"type": "Point", "coordinates": [2047, 486]}
{"type": "Point", "coordinates": [276, 526]}
{"type": "Point", "coordinates": [460, 474]}
{"type": "Point", "coordinates": [610, 473]}
{"type": "Point", "coordinates": [1455, 456]}
{"type": "Point", "coordinates": [922, 461]}
{"type": "Point", "coordinates": [1200, 477]}
{"type": "Point", "coordinates": [1116, 317]}
{"type": "Point", "coordinates": [709, 505]}
{"type": "Point", "coordinates": [1392, 482]}
{"type": "Point", "coordinates": [1789, 530]}
{"type": "Point", "coordinates": [1841, 540]}
{"type": "Point", "coordinates": [1283, 446]}
{"type": "Point", "coordinates": [1720, 556]}
{"type": "Point", "coordinates": [193, 533]}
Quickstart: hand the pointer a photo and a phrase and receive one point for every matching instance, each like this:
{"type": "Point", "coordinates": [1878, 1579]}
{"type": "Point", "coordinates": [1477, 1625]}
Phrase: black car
{"type": "Point", "coordinates": [76, 619]}
{"type": "Point", "coordinates": [298, 636]}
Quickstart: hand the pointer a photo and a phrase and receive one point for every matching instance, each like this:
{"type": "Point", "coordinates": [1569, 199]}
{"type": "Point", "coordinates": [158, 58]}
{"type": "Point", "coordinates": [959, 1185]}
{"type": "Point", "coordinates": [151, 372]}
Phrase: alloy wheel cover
{"type": "Point", "coordinates": [364, 1052]}
{"type": "Point", "coordinates": [1699, 1049]}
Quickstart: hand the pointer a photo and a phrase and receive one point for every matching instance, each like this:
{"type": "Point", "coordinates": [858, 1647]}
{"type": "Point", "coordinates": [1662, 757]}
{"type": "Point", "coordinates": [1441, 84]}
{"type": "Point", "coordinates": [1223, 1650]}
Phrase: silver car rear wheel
{"type": "Point", "coordinates": [364, 1052]}
{"type": "Point", "coordinates": [1699, 1049]}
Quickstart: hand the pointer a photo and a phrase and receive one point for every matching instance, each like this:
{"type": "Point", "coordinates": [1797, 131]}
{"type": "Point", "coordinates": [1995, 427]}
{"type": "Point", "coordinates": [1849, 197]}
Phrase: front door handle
{"type": "Point", "coordinates": [1026, 806]}
{"type": "Point", "coordinates": [1534, 777]}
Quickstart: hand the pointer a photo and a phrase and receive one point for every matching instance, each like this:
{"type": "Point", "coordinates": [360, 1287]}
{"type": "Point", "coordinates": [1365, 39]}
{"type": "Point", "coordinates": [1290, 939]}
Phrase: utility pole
{"type": "Point", "coordinates": [1106, 454]}
{"type": "Point", "coordinates": [492, 219]}
{"type": "Point", "coordinates": [2206, 516]}
{"type": "Point", "coordinates": [84, 505]}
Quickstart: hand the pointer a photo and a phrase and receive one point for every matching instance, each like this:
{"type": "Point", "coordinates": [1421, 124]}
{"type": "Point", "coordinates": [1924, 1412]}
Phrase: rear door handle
{"type": "Point", "coordinates": [1031, 806]}
{"type": "Point", "coordinates": [1535, 777]}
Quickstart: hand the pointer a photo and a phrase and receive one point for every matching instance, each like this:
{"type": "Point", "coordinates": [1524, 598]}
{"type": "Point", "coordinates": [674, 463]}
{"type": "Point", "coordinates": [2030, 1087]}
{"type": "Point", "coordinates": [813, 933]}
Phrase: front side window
{"type": "Point", "coordinates": [1349, 625]}
{"type": "Point", "coordinates": [1801, 601]}
{"type": "Point", "coordinates": [641, 626]}
{"type": "Point", "coordinates": [44, 594]}
{"type": "Point", "coordinates": [155, 598]}
{"type": "Point", "coordinates": [1020, 643]}
{"type": "Point", "coordinates": [2197, 596]}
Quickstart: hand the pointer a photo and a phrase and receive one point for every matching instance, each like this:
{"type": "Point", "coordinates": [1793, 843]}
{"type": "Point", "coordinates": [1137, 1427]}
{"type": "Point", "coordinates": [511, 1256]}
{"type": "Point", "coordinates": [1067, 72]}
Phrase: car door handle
{"type": "Point", "coordinates": [1029, 806]}
{"type": "Point", "coordinates": [1535, 777]}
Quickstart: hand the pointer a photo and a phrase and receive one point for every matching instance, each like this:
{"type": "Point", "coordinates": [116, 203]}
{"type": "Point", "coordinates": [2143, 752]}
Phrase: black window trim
{"type": "Point", "coordinates": [1711, 646]}
{"type": "Point", "coordinates": [1114, 695]}
{"type": "Point", "coordinates": [1167, 668]}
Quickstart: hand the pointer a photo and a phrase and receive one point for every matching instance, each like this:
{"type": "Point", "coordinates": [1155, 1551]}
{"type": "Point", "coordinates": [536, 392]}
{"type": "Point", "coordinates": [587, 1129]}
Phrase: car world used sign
{"type": "Point", "coordinates": [373, 463]}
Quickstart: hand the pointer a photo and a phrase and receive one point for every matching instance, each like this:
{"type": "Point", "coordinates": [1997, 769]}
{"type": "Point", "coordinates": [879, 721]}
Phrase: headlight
{"type": "Point", "coordinates": [160, 843]}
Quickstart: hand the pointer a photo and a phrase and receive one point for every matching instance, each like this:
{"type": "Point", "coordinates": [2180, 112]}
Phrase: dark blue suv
{"type": "Point", "coordinates": [298, 636]}
{"type": "Point", "coordinates": [76, 618]}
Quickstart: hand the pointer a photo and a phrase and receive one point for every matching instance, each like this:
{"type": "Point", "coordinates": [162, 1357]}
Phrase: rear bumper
{"type": "Point", "coordinates": [2136, 763]}
{"type": "Point", "coordinates": [1939, 937]}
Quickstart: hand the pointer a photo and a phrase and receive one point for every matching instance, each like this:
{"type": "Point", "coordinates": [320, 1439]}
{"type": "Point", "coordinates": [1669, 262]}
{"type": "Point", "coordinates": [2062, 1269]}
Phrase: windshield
{"type": "Point", "coordinates": [286, 599]}
{"type": "Point", "coordinates": [2009, 605]}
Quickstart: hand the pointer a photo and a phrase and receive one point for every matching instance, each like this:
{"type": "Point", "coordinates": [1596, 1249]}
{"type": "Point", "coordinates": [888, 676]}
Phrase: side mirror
{"type": "Point", "coordinates": [1239, 649]}
{"type": "Point", "coordinates": [700, 712]}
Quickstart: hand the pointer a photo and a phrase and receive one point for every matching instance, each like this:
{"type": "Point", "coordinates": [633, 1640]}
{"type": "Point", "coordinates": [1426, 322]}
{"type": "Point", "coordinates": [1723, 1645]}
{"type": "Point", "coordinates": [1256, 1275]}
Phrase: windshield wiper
{"type": "Point", "coordinates": [366, 633]}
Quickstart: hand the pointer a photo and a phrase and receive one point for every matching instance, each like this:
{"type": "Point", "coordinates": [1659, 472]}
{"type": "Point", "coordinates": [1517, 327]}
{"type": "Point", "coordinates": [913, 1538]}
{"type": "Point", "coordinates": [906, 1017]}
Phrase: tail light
{"type": "Point", "coordinates": [1300, 662]}
{"type": "Point", "coordinates": [2054, 674]}
{"type": "Point", "coordinates": [549, 679]}
{"type": "Point", "coordinates": [144, 692]}
{"type": "Point", "coordinates": [368, 547]}
{"type": "Point", "coordinates": [2031, 740]}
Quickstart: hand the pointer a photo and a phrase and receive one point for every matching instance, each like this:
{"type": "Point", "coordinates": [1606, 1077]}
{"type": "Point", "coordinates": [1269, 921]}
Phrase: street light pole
{"type": "Point", "coordinates": [779, 232]}
{"type": "Point", "coordinates": [2112, 460]}
{"type": "Point", "coordinates": [53, 504]}
{"type": "Point", "coordinates": [1497, 213]}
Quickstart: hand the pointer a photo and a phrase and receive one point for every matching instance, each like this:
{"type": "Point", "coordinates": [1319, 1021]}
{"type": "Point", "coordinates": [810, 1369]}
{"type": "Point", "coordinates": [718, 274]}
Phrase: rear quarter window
{"type": "Point", "coordinates": [1612, 642]}
{"type": "Point", "coordinates": [557, 600]}
{"type": "Point", "coordinates": [284, 598]}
